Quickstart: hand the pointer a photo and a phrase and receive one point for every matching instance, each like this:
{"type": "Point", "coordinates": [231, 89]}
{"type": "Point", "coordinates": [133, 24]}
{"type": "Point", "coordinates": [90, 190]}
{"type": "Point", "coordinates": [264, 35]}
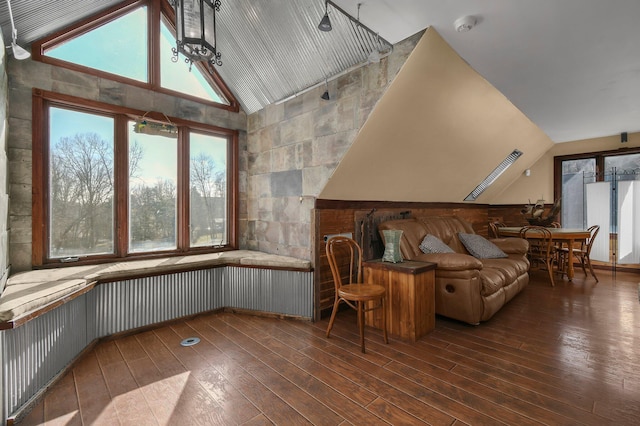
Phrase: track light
{"type": "Point", "coordinates": [18, 52]}
{"type": "Point", "coordinates": [325, 23]}
{"type": "Point", "coordinates": [325, 95]}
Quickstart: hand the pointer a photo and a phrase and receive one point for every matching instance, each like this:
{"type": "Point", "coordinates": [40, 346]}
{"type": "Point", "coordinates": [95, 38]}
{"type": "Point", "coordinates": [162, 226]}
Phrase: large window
{"type": "Point", "coordinates": [112, 183]}
{"type": "Point", "coordinates": [132, 42]}
{"type": "Point", "coordinates": [603, 189]}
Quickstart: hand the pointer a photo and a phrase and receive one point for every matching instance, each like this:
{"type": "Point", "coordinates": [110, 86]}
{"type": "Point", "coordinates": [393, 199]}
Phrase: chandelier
{"type": "Point", "coordinates": [196, 31]}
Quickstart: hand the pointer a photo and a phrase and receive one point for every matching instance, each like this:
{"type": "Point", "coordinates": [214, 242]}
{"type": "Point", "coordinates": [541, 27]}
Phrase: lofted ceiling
{"type": "Point", "coordinates": [571, 66]}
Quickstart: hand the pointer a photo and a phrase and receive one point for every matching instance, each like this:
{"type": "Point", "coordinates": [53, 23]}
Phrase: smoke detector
{"type": "Point", "coordinates": [464, 24]}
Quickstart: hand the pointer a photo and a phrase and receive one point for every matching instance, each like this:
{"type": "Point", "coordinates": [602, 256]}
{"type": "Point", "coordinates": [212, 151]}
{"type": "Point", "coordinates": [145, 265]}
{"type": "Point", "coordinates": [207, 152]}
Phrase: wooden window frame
{"type": "Point", "coordinates": [43, 100]}
{"type": "Point", "coordinates": [599, 156]}
{"type": "Point", "coordinates": [156, 9]}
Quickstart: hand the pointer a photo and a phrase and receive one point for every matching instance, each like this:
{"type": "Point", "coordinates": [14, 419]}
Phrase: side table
{"type": "Point", "coordinates": [410, 301]}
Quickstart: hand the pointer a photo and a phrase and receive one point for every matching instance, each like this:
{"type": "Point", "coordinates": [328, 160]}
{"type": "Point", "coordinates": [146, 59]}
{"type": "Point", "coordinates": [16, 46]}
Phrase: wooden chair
{"type": "Point", "coordinates": [494, 229]}
{"type": "Point", "coordinates": [345, 260]}
{"type": "Point", "coordinates": [542, 251]}
{"type": "Point", "coordinates": [583, 252]}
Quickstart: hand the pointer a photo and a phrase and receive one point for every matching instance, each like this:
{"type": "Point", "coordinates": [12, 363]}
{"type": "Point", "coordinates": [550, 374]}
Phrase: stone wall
{"type": "Point", "coordinates": [4, 175]}
{"type": "Point", "coordinates": [28, 74]}
{"type": "Point", "coordinates": [294, 147]}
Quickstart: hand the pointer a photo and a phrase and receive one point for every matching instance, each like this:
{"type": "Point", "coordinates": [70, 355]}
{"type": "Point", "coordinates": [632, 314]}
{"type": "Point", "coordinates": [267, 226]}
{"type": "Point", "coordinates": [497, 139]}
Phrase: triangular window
{"type": "Point", "coordinates": [116, 44]}
{"type": "Point", "coordinates": [117, 47]}
{"type": "Point", "coordinates": [181, 77]}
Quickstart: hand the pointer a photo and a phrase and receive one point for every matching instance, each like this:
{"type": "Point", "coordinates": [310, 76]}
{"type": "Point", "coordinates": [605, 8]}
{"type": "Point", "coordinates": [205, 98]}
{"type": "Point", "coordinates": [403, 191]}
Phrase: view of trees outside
{"type": "Point", "coordinates": [208, 178]}
{"type": "Point", "coordinates": [153, 193]}
{"type": "Point", "coordinates": [81, 183]}
{"type": "Point", "coordinates": [82, 188]}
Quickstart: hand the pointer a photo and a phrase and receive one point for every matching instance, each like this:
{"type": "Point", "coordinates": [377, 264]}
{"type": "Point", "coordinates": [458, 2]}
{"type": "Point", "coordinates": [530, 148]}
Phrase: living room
{"type": "Point", "coordinates": [416, 131]}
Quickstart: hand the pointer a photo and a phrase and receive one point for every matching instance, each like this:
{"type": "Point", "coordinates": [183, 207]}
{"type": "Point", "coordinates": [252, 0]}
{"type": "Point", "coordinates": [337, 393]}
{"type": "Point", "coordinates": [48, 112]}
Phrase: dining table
{"type": "Point", "coordinates": [568, 236]}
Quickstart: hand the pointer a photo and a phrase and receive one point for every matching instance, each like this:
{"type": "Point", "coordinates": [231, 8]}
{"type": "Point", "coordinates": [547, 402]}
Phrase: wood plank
{"type": "Point", "coordinates": [562, 355]}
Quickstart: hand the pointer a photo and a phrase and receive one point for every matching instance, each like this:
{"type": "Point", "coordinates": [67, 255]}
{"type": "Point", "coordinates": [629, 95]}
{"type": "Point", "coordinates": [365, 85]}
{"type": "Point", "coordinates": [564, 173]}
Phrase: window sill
{"type": "Point", "coordinates": [33, 293]}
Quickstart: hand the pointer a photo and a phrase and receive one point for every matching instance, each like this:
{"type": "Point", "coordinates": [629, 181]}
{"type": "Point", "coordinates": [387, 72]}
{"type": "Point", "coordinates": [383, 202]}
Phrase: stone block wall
{"type": "Point", "coordinates": [293, 148]}
{"type": "Point", "coordinates": [4, 176]}
{"type": "Point", "coordinates": [25, 75]}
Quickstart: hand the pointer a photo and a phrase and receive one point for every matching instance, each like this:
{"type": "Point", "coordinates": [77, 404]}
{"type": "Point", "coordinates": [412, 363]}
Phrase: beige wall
{"type": "Point", "coordinates": [437, 132]}
{"type": "Point", "coordinates": [540, 182]}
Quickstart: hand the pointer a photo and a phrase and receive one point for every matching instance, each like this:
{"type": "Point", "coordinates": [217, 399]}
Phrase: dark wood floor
{"type": "Point", "coordinates": [559, 356]}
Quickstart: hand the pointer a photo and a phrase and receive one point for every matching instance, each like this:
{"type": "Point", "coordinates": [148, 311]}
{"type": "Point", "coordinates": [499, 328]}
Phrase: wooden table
{"type": "Point", "coordinates": [561, 235]}
{"type": "Point", "coordinates": [410, 301]}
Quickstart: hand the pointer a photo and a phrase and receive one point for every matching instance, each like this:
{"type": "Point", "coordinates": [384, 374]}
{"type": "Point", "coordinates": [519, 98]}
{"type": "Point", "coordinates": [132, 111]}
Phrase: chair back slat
{"type": "Point", "coordinates": [345, 260]}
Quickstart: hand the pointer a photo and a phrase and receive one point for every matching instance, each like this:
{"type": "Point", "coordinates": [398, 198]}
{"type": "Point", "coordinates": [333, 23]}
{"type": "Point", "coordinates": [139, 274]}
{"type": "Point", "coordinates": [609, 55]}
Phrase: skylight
{"type": "Point", "coordinates": [495, 174]}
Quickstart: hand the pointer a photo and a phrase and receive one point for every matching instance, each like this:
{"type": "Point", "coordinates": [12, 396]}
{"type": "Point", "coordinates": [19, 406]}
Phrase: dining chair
{"type": "Point", "coordinates": [582, 253]}
{"type": "Point", "coordinates": [542, 251]}
{"type": "Point", "coordinates": [345, 260]}
{"type": "Point", "coordinates": [494, 229]}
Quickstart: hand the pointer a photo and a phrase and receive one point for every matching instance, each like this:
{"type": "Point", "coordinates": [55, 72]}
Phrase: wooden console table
{"type": "Point", "coordinates": [411, 310]}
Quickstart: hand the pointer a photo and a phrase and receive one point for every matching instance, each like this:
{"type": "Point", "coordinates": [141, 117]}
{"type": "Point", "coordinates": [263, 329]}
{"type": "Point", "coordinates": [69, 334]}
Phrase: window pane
{"type": "Point", "coordinates": [80, 183]}
{"type": "Point", "coordinates": [627, 167]}
{"type": "Point", "coordinates": [176, 75]}
{"type": "Point", "coordinates": [153, 178]}
{"type": "Point", "coordinates": [575, 174]}
{"type": "Point", "coordinates": [117, 47]}
{"type": "Point", "coordinates": [208, 181]}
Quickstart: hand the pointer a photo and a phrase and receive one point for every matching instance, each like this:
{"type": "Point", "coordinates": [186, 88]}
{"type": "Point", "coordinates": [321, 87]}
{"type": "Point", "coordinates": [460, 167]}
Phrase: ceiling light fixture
{"type": "Point", "coordinates": [325, 23]}
{"type": "Point", "coordinates": [325, 95]}
{"type": "Point", "coordinates": [18, 52]}
{"type": "Point", "coordinates": [464, 24]}
{"type": "Point", "coordinates": [196, 31]}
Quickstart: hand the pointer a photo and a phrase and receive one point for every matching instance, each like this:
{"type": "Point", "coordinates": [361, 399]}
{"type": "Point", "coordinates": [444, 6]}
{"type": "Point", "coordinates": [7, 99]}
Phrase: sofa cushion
{"type": "Point", "coordinates": [492, 281]}
{"type": "Point", "coordinates": [446, 228]}
{"type": "Point", "coordinates": [433, 244]}
{"type": "Point", "coordinates": [511, 267]}
{"type": "Point", "coordinates": [480, 247]}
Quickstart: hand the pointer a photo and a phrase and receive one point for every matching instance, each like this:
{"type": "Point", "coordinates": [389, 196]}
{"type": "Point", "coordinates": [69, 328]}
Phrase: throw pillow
{"type": "Point", "coordinates": [433, 244]}
{"type": "Point", "coordinates": [479, 247]}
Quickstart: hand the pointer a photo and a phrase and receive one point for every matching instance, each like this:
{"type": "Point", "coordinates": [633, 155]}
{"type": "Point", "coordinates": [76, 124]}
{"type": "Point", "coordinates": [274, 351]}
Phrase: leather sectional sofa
{"type": "Point", "coordinates": [467, 288]}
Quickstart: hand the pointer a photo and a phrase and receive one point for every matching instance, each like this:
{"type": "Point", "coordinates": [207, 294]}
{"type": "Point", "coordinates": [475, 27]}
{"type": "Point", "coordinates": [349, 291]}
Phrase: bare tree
{"type": "Point", "coordinates": [82, 190]}
{"type": "Point", "coordinates": [208, 184]}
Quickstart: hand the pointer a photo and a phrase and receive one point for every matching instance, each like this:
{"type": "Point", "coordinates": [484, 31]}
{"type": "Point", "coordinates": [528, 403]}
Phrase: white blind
{"type": "Point", "coordinates": [599, 213]}
{"type": "Point", "coordinates": [628, 222]}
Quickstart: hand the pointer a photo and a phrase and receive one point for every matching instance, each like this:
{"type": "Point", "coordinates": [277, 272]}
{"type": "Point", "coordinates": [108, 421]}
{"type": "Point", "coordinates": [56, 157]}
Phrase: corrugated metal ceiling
{"type": "Point", "coordinates": [271, 50]}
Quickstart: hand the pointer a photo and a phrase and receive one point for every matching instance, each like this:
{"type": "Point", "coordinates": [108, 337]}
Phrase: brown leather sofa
{"type": "Point", "coordinates": [467, 288]}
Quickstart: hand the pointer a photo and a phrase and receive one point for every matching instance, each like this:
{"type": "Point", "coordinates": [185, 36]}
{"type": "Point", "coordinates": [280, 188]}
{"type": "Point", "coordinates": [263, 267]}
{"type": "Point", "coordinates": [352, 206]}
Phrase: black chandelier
{"type": "Point", "coordinates": [196, 31]}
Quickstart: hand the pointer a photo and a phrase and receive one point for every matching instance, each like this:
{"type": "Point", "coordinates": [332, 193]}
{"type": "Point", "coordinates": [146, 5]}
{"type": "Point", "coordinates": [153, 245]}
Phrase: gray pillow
{"type": "Point", "coordinates": [479, 247]}
{"type": "Point", "coordinates": [433, 244]}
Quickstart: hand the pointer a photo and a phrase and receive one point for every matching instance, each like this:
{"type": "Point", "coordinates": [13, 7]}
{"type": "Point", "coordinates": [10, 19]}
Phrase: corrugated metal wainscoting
{"type": "Point", "coordinates": [34, 353]}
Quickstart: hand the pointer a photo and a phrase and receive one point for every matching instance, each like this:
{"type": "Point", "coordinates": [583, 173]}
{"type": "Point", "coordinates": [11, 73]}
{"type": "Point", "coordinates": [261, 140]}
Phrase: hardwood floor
{"type": "Point", "coordinates": [560, 356]}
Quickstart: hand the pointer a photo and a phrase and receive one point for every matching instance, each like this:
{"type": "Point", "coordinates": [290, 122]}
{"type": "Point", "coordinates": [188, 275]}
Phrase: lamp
{"type": "Point", "coordinates": [325, 95]}
{"type": "Point", "coordinates": [325, 23]}
{"type": "Point", "coordinates": [18, 52]}
{"type": "Point", "coordinates": [196, 31]}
